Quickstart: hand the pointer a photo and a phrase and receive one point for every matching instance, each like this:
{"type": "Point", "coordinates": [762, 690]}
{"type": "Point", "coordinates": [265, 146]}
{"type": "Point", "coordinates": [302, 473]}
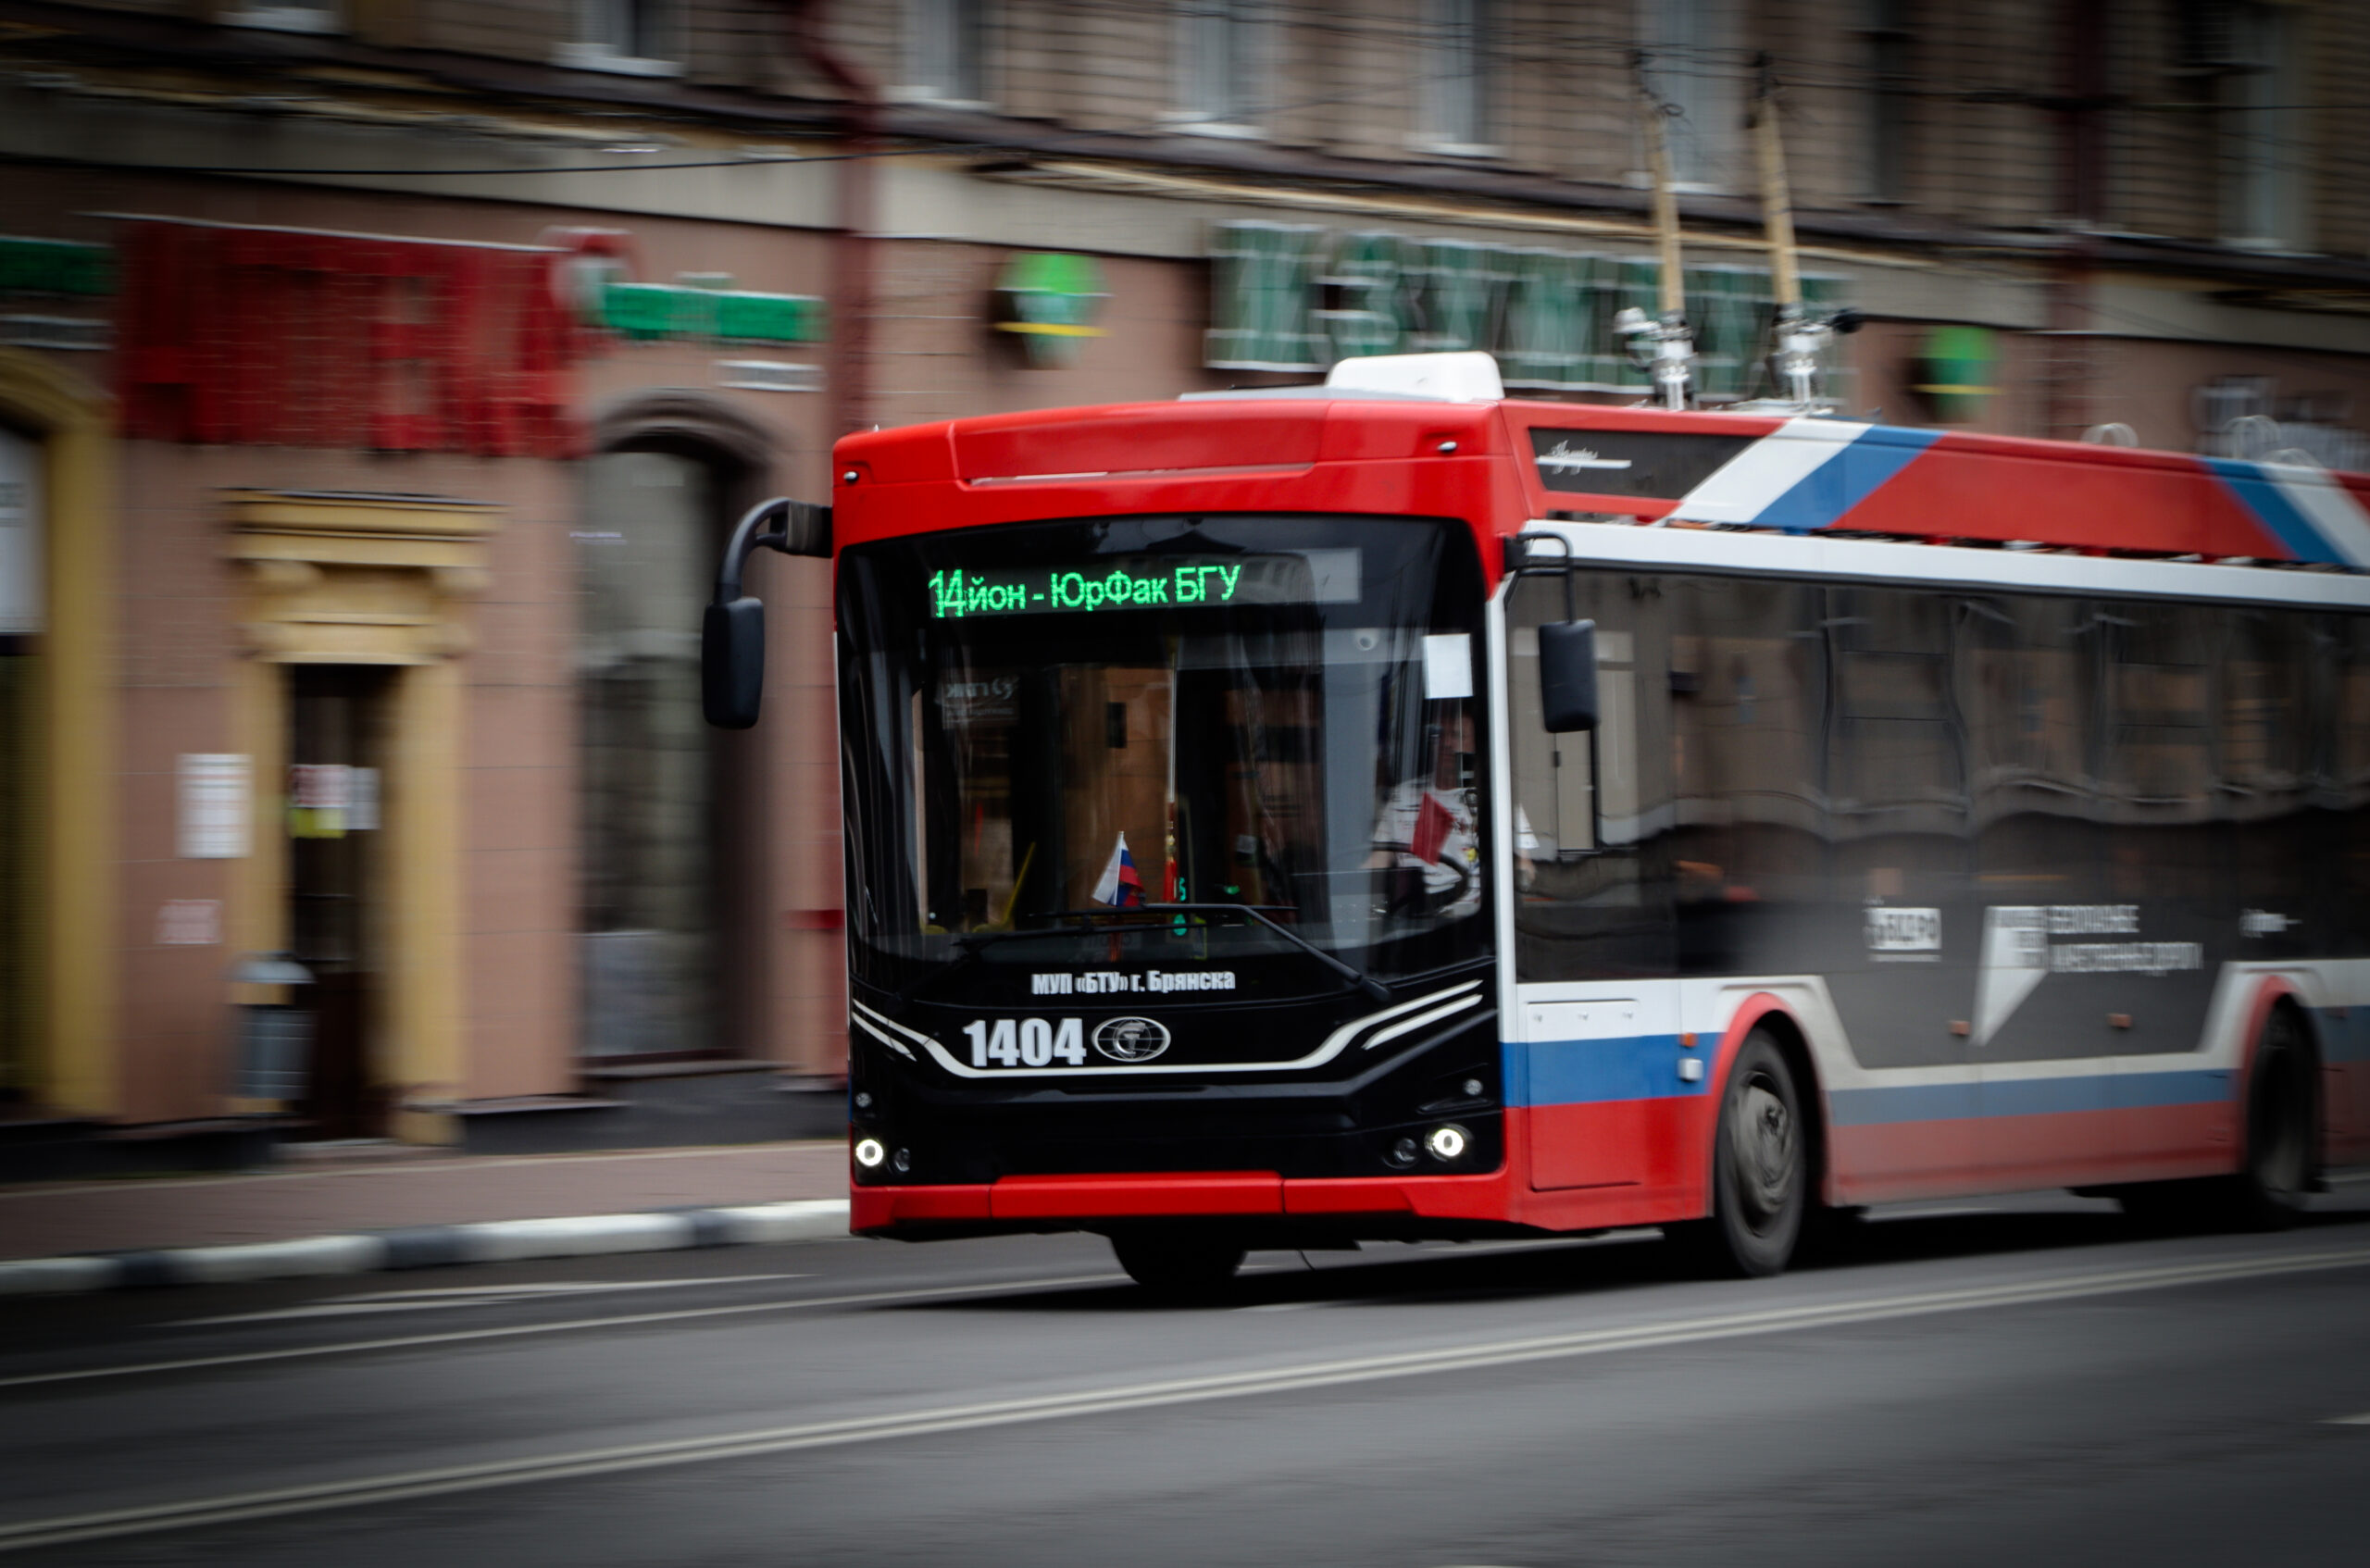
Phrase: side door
{"type": "Point", "coordinates": [1602, 1076]}
{"type": "Point", "coordinates": [1595, 1067]}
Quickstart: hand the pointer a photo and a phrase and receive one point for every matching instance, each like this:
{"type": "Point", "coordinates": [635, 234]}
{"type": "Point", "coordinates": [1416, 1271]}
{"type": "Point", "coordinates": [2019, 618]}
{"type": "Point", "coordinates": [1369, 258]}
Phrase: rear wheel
{"type": "Point", "coordinates": [2276, 1172]}
{"type": "Point", "coordinates": [1178, 1267]}
{"type": "Point", "coordinates": [2268, 1192]}
{"type": "Point", "coordinates": [1760, 1167]}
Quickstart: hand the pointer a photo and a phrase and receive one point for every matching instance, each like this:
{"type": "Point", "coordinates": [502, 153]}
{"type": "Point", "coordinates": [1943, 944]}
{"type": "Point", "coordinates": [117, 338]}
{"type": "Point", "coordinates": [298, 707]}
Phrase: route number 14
{"type": "Point", "coordinates": [1027, 1042]}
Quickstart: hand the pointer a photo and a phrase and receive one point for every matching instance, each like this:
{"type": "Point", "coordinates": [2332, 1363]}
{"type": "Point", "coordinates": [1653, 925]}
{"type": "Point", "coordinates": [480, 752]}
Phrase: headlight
{"type": "Point", "coordinates": [1448, 1142]}
{"type": "Point", "coordinates": [870, 1153]}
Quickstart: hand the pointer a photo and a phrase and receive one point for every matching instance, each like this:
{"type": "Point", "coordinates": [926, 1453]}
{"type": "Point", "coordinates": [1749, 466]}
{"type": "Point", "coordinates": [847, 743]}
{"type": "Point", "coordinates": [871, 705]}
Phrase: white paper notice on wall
{"type": "Point", "coordinates": [188, 922]}
{"type": "Point", "coordinates": [1448, 666]}
{"type": "Point", "coordinates": [361, 800]}
{"type": "Point", "coordinates": [213, 806]}
{"type": "Point", "coordinates": [321, 786]}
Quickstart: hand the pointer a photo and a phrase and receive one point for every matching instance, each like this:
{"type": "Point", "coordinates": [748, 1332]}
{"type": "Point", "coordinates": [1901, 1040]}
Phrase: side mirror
{"type": "Point", "coordinates": [1567, 676]}
{"type": "Point", "coordinates": [732, 633]}
{"type": "Point", "coordinates": [732, 663]}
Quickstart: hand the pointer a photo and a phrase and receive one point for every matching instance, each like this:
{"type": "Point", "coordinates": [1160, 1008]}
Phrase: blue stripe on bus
{"type": "Point", "coordinates": [1856, 472]}
{"type": "Point", "coordinates": [1584, 1072]}
{"type": "Point", "coordinates": [2274, 510]}
{"type": "Point", "coordinates": [1908, 1102]}
{"type": "Point", "coordinates": [2028, 1097]}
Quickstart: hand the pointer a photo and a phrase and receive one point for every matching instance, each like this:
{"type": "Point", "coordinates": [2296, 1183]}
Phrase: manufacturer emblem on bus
{"type": "Point", "coordinates": [1131, 1040]}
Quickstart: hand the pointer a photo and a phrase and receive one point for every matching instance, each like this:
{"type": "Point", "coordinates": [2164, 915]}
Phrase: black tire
{"type": "Point", "coordinates": [1178, 1268]}
{"type": "Point", "coordinates": [1761, 1171]}
{"type": "Point", "coordinates": [2166, 1208]}
{"type": "Point", "coordinates": [2275, 1169]}
{"type": "Point", "coordinates": [2268, 1192]}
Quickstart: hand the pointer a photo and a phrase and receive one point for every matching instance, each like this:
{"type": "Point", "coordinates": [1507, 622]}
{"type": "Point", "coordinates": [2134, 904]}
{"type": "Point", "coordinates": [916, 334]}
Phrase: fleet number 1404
{"type": "Point", "coordinates": [1026, 1042]}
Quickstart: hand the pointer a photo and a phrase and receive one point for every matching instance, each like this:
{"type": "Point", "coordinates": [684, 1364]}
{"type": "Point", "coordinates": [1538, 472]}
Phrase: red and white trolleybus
{"type": "Point", "coordinates": [1392, 810]}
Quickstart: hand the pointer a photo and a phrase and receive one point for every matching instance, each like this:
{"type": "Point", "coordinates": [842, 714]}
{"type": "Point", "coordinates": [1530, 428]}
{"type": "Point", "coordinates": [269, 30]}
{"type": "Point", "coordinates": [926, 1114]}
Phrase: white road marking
{"type": "Point", "coordinates": [466, 1296]}
{"type": "Point", "coordinates": [564, 1286]}
{"type": "Point", "coordinates": [376, 1168]}
{"type": "Point", "coordinates": [875, 1298]}
{"type": "Point", "coordinates": [322, 1308]}
{"type": "Point", "coordinates": [2362, 1420]}
{"type": "Point", "coordinates": [445, 1480]}
{"type": "Point", "coordinates": [300, 1352]}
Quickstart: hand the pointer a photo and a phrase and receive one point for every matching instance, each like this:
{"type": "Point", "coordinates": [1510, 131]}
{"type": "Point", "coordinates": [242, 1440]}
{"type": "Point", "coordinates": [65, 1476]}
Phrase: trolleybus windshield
{"type": "Point", "coordinates": [1050, 724]}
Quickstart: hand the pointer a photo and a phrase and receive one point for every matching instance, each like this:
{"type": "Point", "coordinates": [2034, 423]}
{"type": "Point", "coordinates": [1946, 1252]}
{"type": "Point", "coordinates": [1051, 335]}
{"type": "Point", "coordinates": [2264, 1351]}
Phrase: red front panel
{"type": "Point", "coordinates": [1385, 459]}
{"type": "Point", "coordinates": [1123, 1196]}
{"type": "Point", "coordinates": [1098, 1197]}
{"type": "Point", "coordinates": [1145, 436]}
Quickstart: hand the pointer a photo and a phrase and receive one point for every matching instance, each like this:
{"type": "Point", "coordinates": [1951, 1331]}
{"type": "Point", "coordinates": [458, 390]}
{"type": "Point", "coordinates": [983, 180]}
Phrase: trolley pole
{"type": "Point", "coordinates": [1777, 198]}
{"type": "Point", "coordinates": [1796, 339]}
{"type": "Point", "coordinates": [1673, 355]}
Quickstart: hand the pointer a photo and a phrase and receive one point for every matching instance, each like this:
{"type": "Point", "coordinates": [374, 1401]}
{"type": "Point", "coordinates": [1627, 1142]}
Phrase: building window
{"type": "Point", "coordinates": [945, 49]}
{"type": "Point", "coordinates": [1696, 63]}
{"type": "Point", "coordinates": [1886, 42]}
{"type": "Point", "coordinates": [1222, 55]}
{"type": "Point", "coordinates": [320, 16]}
{"type": "Point", "coordinates": [631, 37]}
{"type": "Point", "coordinates": [652, 888]}
{"type": "Point", "coordinates": [2248, 50]}
{"type": "Point", "coordinates": [1459, 81]}
{"type": "Point", "coordinates": [23, 604]}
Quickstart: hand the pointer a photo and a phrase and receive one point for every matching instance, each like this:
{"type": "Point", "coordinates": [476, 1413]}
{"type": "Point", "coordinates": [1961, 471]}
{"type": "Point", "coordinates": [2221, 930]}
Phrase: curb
{"type": "Point", "coordinates": [439, 1246]}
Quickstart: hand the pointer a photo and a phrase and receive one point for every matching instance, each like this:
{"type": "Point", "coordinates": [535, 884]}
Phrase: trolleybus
{"type": "Point", "coordinates": [1390, 810]}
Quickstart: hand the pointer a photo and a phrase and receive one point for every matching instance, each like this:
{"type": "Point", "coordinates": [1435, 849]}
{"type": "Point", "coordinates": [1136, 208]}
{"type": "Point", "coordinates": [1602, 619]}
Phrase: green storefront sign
{"type": "Point", "coordinates": [1958, 362]}
{"type": "Point", "coordinates": [646, 311]}
{"type": "Point", "coordinates": [56, 267]}
{"type": "Point", "coordinates": [1051, 298]}
{"type": "Point", "coordinates": [1295, 297]}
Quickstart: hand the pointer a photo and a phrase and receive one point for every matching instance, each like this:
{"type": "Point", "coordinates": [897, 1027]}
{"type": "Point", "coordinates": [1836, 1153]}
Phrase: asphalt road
{"type": "Point", "coordinates": [2027, 1381]}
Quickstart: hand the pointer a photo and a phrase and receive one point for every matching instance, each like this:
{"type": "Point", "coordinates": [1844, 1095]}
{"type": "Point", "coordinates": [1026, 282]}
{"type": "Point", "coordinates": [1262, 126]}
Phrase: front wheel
{"type": "Point", "coordinates": [1760, 1167]}
{"type": "Point", "coordinates": [1181, 1268]}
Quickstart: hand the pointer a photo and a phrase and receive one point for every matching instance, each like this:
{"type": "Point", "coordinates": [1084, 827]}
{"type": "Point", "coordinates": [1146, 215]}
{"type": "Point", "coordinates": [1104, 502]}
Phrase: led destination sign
{"type": "Point", "coordinates": [1147, 582]}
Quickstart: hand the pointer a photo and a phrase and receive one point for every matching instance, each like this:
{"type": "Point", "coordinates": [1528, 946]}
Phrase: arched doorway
{"type": "Point", "coordinates": [667, 852]}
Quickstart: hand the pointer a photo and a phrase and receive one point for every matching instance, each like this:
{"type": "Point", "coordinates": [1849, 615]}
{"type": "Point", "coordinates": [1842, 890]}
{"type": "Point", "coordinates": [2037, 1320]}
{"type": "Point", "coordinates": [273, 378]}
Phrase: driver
{"type": "Point", "coordinates": [1426, 827]}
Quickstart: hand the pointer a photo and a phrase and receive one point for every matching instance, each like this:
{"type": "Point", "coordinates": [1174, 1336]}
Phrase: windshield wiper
{"type": "Point", "coordinates": [972, 942]}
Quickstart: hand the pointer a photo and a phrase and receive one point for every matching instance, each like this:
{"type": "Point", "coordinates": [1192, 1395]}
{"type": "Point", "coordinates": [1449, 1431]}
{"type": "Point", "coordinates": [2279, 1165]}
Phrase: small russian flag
{"type": "Point", "coordinates": [1434, 823]}
{"type": "Point", "coordinates": [1120, 885]}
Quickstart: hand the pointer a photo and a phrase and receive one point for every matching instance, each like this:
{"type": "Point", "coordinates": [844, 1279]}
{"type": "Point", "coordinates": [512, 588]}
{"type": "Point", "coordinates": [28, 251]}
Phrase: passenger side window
{"type": "Point", "coordinates": [1745, 704]}
{"type": "Point", "coordinates": [2026, 677]}
{"type": "Point", "coordinates": [1590, 866]}
{"type": "Point", "coordinates": [2266, 741]}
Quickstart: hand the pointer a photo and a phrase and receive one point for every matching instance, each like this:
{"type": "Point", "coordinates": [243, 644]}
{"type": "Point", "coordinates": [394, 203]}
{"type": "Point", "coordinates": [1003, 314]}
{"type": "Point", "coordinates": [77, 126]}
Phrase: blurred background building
{"type": "Point", "coordinates": [378, 376]}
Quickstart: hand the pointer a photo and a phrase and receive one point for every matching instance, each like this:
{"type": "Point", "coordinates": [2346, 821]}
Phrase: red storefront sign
{"type": "Point", "coordinates": [287, 337]}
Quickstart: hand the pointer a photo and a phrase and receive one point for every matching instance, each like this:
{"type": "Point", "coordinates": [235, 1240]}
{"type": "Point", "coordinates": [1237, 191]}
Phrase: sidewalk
{"type": "Point", "coordinates": [366, 1195]}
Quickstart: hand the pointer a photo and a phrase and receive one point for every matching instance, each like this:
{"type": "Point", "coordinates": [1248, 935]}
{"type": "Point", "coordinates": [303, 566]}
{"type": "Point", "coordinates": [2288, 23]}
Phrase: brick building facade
{"type": "Point", "coordinates": [378, 375]}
